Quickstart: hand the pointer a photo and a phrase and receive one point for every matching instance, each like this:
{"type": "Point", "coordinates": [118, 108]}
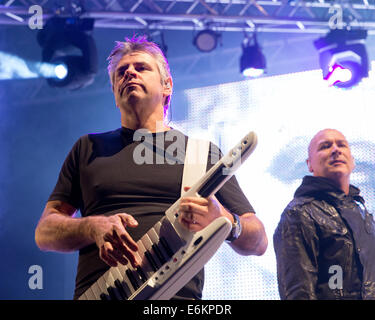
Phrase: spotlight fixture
{"type": "Point", "coordinates": [343, 57]}
{"type": "Point", "coordinates": [61, 71]}
{"type": "Point", "coordinates": [67, 43]}
{"type": "Point", "coordinates": [206, 40]}
{"type": "Point", "coordinates": [252, 61]}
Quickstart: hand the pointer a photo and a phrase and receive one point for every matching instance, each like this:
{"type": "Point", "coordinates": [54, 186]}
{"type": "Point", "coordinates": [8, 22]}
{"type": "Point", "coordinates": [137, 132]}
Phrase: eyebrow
{"type": "Point", "coordinates": [331, 140]}
{"type": "Point", "coordinates": [137, 64]}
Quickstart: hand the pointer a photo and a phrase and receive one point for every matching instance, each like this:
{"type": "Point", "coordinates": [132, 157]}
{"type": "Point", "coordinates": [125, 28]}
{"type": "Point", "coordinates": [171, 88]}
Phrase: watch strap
{"type": "Point", "coordinates": [236, 229]}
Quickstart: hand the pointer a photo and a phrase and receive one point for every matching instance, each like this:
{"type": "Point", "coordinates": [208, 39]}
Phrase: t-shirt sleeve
{"type": "Point", "coordinates": [230, 195]}
{"type": "Point", "coordinates": [68, 188]}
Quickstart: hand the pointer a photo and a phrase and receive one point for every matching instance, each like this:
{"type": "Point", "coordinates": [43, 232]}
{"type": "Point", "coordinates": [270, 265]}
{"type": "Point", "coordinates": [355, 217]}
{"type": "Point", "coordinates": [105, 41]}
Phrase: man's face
{"type": "Point", "coordinates": [330, 155]}
{"type": "Point", "coordinates": [137, 79]}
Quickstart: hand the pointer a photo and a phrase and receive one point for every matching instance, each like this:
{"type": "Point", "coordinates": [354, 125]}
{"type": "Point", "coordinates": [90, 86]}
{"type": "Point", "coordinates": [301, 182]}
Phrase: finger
{"type": "Point", "coordinates": [124, 251]}
{"type": "Point", "coordinates": [112, 253]}
{"type": "Point", "coordinates": [197, 200]}
{"type": "Point", "coordinates": [128, 241]}
{"type": "Point", "coordinates": [186, 221]}
{"type": "Point", "coordinates": [123, 238]}
{"type": "Point", "coordinates": [186, 189]}
{"type": "Point", "coordinates": [191, 225]}
{"type": "Point", "coordinates": [128, 220]}
{"type": "Point", "coordinates": [121, 233]}
{"type": "Point", "coordinates": [118, 256]}
{"type": "Point", "coordinates": [104, 254]}
{"type": "Point", "coordinates": [193, 208]}
{"type": "Point", "coordinates": [213, 200]}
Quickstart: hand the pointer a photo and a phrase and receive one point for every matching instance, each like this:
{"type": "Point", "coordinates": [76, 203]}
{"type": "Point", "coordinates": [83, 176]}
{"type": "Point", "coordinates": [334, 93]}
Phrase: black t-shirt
{"type": "Point", "coordinates": [102, 174]}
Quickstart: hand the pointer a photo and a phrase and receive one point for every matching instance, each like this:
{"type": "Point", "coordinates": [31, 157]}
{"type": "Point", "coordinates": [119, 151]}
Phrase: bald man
{"type": "Point", "coordinates": [325, 240]}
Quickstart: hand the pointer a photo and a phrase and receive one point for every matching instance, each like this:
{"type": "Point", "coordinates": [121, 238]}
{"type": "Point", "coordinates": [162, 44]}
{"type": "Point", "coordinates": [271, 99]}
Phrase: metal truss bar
{"type": "Point", "coordinates": [191, 17]}
{"type": "Point", "coordinates": [314, 4]}
{"type": "Point", "coordinates": [204, 4]}
{"type": "Point", "coordinates": [134, 25]}
{"type": "Point", "coordinates": [298, 16]}
{"type": "Point", "coordinates": [221, 19]}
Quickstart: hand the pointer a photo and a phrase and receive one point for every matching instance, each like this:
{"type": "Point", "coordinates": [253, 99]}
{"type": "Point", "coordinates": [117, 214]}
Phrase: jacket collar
{"type": "Point", "coordinates": [318, 187]}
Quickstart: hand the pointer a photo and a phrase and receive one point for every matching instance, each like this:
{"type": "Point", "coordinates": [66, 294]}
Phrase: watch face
{"type": "Point", "coordinates": [236, 229]}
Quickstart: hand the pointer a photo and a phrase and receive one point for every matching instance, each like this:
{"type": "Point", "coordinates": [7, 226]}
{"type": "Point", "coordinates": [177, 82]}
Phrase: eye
{"type": "Point", "coordinates": [325, 145]}
{"type": "Point", "coordinates": [143, 67]}
{"type": "Point", "coordinates": [120, 71]}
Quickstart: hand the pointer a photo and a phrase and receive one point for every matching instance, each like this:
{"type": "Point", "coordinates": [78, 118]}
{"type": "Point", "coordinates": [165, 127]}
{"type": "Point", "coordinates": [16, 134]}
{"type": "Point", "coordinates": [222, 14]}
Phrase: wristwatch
{"type": "Point", "coordinates": [236, 229]}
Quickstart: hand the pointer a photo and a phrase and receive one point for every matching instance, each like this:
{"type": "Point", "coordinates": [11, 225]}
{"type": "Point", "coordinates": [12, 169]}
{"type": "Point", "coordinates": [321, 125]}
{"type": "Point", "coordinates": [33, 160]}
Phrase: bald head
{"type": "Point", "coordinates": [329, 156]}
{"type": "Point", "coordinates": [319, 135]}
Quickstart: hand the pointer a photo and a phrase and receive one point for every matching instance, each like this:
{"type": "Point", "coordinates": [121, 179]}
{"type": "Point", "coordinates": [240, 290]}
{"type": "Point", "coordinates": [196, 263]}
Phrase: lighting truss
{"type": "Point", "coordinates": [287, 16]}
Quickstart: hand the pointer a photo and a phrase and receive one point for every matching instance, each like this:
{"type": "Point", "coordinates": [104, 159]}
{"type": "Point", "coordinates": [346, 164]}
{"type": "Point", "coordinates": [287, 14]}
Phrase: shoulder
{"type": "Point", "coordinates": [98, 142]}
{"type": "Point", "coordinates": [308, 211]}
{"type": "Point", "coordinates": [107, 140]}
{"type": "Point", "coordinates": [300, 203]}
{"type": "Point", "coordinates": [296, 220]}
{"type": "Point", "coordinates": [90, 137]}
{"type": "Point", "coordinates": [298, 211]}
{"type": "Point", "coordinates": [107, 135]}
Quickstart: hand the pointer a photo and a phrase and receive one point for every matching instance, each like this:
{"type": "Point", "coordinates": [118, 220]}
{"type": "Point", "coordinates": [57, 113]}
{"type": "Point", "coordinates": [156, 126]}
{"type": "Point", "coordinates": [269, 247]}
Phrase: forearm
{"type": "Point", "coordinates": [253, 239]}
{"type": "Point", "coordinates": [59, 232]}
{"type": "Point", "coordinates": [196, 213]}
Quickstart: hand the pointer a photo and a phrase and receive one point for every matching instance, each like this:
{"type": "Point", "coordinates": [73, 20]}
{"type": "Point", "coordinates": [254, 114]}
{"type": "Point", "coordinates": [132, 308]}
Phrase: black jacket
{"type": "Point", "coordinates": [325, 244]}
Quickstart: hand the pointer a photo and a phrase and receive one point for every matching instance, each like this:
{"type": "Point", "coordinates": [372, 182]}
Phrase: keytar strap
{"type": "Point", "coordinates": [195, 164]}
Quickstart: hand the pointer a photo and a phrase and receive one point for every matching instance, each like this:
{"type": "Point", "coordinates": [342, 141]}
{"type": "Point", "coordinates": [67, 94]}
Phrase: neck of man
{"type": "Point", "coordinates": [344, 186]}
{"type": "Point", "coordinates": [342, 182]}
{"type": "Point", "coordinates": [144, 118]}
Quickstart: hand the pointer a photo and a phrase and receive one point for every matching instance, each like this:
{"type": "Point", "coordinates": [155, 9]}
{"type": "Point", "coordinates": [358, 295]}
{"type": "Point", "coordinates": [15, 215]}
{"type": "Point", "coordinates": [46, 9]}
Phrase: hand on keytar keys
{"type": "Point", "coordinates": [114, 242]}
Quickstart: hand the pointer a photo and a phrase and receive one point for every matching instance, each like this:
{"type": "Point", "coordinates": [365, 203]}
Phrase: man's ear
{"type": "Point", "coordinates": [167, 90]}
{"type": "Point", "coordinates": [308, 162]}
{"type": "Point", "coordinates": [168, 85]}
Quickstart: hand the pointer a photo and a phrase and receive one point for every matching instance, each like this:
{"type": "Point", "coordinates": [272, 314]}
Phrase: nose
{"type": "Point", "coordinates": [130, 72]}
{"type": "Point", "coordinates": [336, 149]}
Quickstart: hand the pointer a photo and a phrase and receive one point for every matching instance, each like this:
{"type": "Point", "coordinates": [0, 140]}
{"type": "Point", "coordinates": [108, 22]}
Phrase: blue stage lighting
{"type": "Point", "coordinates": [252, 61]}
{"type": "Point", "coordinates": [14, 67]}
{"type": "Point", "coordinates": [342, 50]}
{"type": "Point", "coordinates": [339, 75]}
{"type": "Point", "coordinates": [67, 41]}
{"type": "Point", "coordinates": [206, 40]}
{"type": "Point", "coordinates": [61, 71]}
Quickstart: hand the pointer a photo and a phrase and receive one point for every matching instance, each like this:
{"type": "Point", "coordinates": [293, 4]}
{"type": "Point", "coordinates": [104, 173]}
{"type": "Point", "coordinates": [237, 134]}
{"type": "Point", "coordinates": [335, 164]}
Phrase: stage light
{"type": "Point", "coordinates": [206, 40]}
{"type": "Point", "coordinates": [61, 71]}
{"type": "Point", "coordinates": [252, 72]}
{"type": "Point", "coordinates": [343, 57]}
{"type": "Point", "coordinates": [13, 67]}
{"type": "Point", "coordinates": [339, 75]}
{"type": "Point", "coordinates": [67, 44]}
{"type": "Point", "coordinates": [252, 61]}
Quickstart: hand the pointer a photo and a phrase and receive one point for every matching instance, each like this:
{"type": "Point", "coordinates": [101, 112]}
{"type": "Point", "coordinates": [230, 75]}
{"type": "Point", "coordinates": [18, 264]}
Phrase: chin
{"type": "Point", "coordinates": [338, 174]}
